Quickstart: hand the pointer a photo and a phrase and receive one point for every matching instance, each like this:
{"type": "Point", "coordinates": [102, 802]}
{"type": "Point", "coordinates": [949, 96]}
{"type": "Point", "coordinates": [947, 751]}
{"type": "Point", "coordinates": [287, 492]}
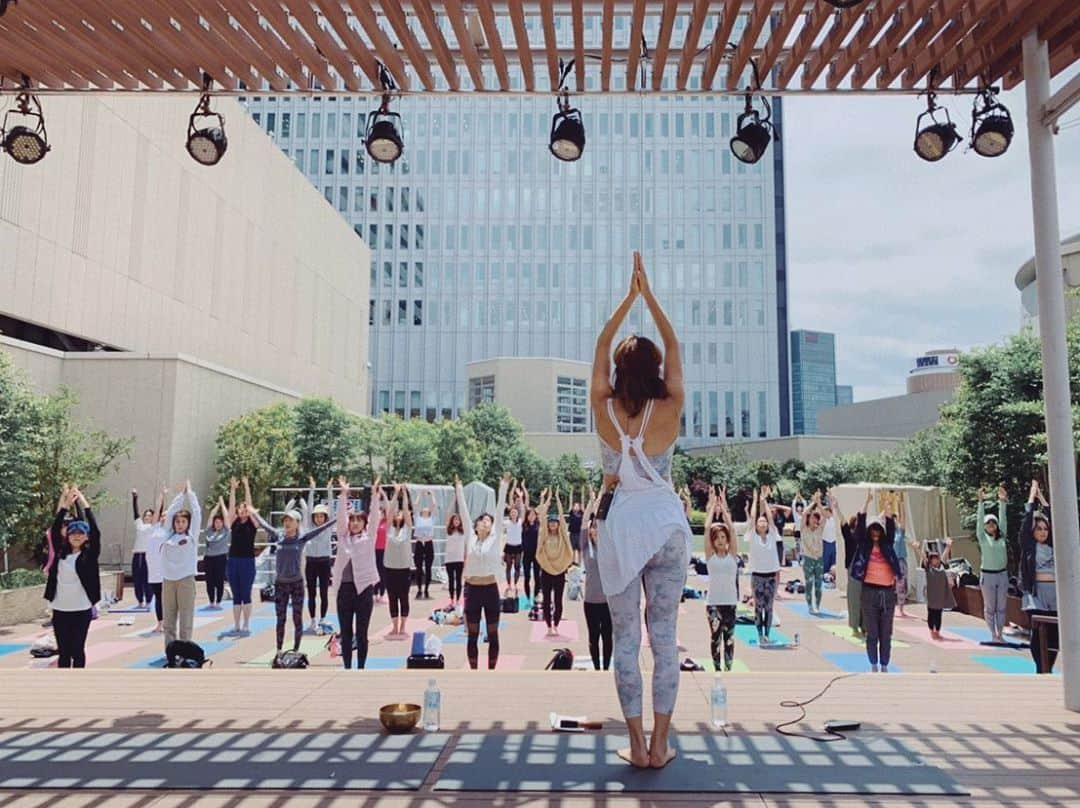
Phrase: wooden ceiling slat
{"type": "Point", "coordinates": [551, 41]}
{"type": "Point", "coordinates": [718, 49]}
{"type": "Point", "coordinates": [637, 25]}
{"type": "Point", "coordinates": [815, 21]}
{"type": "Point", "coordinates": [79, 39]}
{"type": "Point", "coordinates": [326, 45]}
{"type": "Point", "coordinates": [276, 50]}
{"type": "Point", "coordinates": [959, 26]}
{"type": "Point", "coordinates": [741, 55]}
{"type": "Point", "coordinates": [79, 60]}
{"type": "Point", "coordinates": [28, 58]}
{"type": "Point", "coordinates": [788, 17]}
{"type": "Point", "coordinates": [872, 23]}
{"type": "Point", "coordinates": [296, 41]}
{"type": "Point", "coordinates": [902, 23]}
{"type": "Point", "coordinates": [179, 47]}
{"type": "Point", "coordinates": [607, 34]}
{"type": "Point", "coordinates": [823, 56]}
{"type": "Point", "coordinates": [663, 43]}
{"type": "Point", "coordinates": [134, 39]}
{"type": "Point", "coordinates": [354, 47]}
{"type": "Point", "coordinates": [1061, 23]}
{"type": "Point", "coordinates": [577, 14]}
{"type": "Point", "coordinates": [929, 27]}
{"type": "Point", "coordinates": [465, 44]}
{"type": "Point", "coordinates": [426, 15]}
{"type": "Point", "coordinates": [494, 42]}
{"type": "Point", "coordinates": [1017, 27]}
{"type": "Point", "coordinates": [698, 15]}
{"type": "Point", "coordinates": [240, 43]}
{"type": "Point", "coordinates": [239, 63]}
{"type": "Point", "coordinates": [988, 27]}
{"type": "Point", "coordinates": [1064, 52]}
{"type": "Point", "coordinates": [521, 41]}
{"type": "Point", "coordinates": [182, 66]}
{"type": "Point", "coordinates": [107, 39]}
{"type": "Point", "coordinates": [388, 54]}
{"type": "Point", "coordinates": [400, 23]}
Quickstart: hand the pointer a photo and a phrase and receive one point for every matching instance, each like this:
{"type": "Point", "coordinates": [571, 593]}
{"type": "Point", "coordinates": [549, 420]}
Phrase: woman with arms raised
{"type": "Point", "coordinates": [644, 535]}
{"type": "Point", "coordinates": [483, 564]}
{"type": "Point", "coordinates": [355, 572]}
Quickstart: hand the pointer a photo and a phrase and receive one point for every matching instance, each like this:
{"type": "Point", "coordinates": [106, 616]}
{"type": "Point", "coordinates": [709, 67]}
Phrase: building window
{"type": "Point", "coordinates": [481, 390]}
{"type": "Point", "coordinates": [571, 405]}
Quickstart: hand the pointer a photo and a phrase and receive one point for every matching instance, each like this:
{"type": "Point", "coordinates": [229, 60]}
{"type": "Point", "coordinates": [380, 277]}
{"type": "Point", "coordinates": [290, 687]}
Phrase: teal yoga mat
{"type": "Point", "coordinates": [748, 635]}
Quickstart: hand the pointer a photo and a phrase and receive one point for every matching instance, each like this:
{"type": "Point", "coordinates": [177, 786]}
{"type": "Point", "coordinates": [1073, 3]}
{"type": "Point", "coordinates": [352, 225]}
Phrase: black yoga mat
{"type": "Point", "coordinates": [707, 763]}
{"type": "Point", "coordinates": [216, 760]}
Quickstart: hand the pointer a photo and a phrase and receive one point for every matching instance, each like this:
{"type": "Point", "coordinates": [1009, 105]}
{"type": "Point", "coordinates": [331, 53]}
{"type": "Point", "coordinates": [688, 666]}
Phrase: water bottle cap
{"type": "Point", "coordinates": [431, 683]}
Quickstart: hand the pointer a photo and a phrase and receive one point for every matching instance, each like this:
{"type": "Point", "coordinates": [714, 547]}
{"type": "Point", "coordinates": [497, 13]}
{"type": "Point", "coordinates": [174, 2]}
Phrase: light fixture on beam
{"type": "Point", "coordinates": [938, 137]}
{"type": "Point", "coordinates": [753, 131]}
{"type": "Point", "coordinates": [991, 125]}
{"type": "Point", "coordinates": [206, 144]}
{"type": "Point", "coordinates": [567, 132]}
{"type": "Point", "coordinates": [25, 144]}
{"type": "Point", "coordinates": [382, 138]}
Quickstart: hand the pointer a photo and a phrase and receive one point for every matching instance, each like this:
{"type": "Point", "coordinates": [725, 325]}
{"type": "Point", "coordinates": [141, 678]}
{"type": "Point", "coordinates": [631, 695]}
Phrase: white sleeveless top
{"type": "Point", "coordinates": [645, 513]}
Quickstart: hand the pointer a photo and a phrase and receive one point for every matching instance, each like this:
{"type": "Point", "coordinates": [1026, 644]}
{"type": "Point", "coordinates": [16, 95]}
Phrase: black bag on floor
{"type": "Point", "coordinates": [561, 660]}
{"type": "Point", "coordinates": [534, 613]}
{"type": "Point", "coordinates": [510, 605]}
{"type": "Point", "coordinates": [290, 659]}
{"type": "Point", "coordinates": [425, 662]}
{"type": "Point", "coordinates": [185, 654]}
{"type": "Point", "coordinates": [266, 594]}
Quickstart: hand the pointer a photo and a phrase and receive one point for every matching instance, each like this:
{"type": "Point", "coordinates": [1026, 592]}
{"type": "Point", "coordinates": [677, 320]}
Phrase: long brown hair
{"type": "Point", "coordinates": [637, 373]}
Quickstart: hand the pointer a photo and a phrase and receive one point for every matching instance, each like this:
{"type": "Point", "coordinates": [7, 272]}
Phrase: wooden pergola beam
{"type": "Point", "coordinates": [902, 22]}
{"type": "Point", "coordinates": [238, 63]}
{"type": "Point", "coordinates": [101, 36]}
{"type": "Point", "coordinates": [958, 27]}
{"type": "Point", "coordinates": [814, 22]}
{"type": "Point", "coordinates": [86, 57]}
{"type": "Point", "coordinates": [521, 41]}
{"type": "Point", "coordinates": [173, 44]}
{"type": "Point", "coordinates": [291, 64]}
{"type": "Point", "coordinates": [1016, 28]}
{"type": "Point", "coordinates": [551, 41]}
{"type": "Point", "coordinates": [984, 32]}
{"type": "Point", "coordinates": [388, 54]}
{"type": "Point", "coordinates": [637, 25]}
{"type": "Point", "coordinates": [494, 42]}
{"type": "Point", "coordinates": [417, 59]}
{"type": "Point", "coordinates": [240, 42]}
{"type": "Point", "coordinates": [690, 42]}
{"type": "Point", "coordinates": [788, 17]}
{"type": "Point", "coordinates": [822, 57]}
{"type": "Point", "coordinates": [929, 27]}
{"type": "Point", "coordinates": [438, 43]}
{"type": "Point", "coordinates": [456, 15]}
{"type": "Point", "coordinates": [296, 41]}
{"type": "Point", "coordinates": [872, 23]}
{"type": "Point", "coordinates": [663, 42]}
{"type": "Point", "coordinates": [741, 55]}
{"type": "Point", "coordinates": [29, 56]}
{"type": "Point", "coordinates": [607, 33]}
{"type": "Point", "coordinates": [577, 16]}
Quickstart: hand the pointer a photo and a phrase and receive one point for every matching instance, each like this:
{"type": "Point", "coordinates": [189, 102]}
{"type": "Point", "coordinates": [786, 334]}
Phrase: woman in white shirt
{"type": "Point", "coordinates": [398, 559]}
{"type": "Point", "coordinates": [74, 584]}
{"type": "Point", "coordinates": [424, 544]}
{"type": "Point", "coordinates": [145, 524]}
{"type": "Point", "coordinates": [454, 557]}
{"type": "Point", "coordinates": [764, 565]}
{"type": "Point", "coordinates": [723, 563]}
{"type": "Point", "coordinates": [513, 551]}
{"type": "Point", "coordinates": [483, 564]}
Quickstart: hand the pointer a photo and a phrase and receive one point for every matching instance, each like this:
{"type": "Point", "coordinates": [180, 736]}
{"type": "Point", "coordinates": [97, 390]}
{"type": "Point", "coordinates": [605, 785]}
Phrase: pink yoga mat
{"type": "Point", "coordinates": [411, 625]}
{"type": "Point", "coordinates": [94, 654]}
{"type": "Point", "coordinates": [507, 662]}
{"type": "Point", "coordinates": [948, 641]}
{"type": "Point", "coordinates": [568, 632]}
{"type": "Point", "coordinates": [95, 626]}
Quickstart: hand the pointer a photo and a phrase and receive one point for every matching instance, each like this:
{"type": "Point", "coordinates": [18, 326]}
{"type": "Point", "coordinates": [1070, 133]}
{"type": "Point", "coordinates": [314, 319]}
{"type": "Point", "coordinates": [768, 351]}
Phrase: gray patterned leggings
{"type": "Point", "coordinates": [664, 576]}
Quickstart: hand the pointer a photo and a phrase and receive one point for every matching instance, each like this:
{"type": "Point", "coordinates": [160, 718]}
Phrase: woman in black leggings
{"type": "Point", "coordinates": [454, 557]}
{"type": "Point", "coordinates": [73, 585]}
{"type": "Point", "coordinates": [483, 565]}
{"type": "Point", "coordinates": [597, 613]}
{"type": "Point", "coordinates": [530, 537]}
{"type": "Point", "coordinates": [355, 573]}
{"type": "Point", "coordinates": [398, 560]}
{"type": "Point", "coordinates": [554, 555]}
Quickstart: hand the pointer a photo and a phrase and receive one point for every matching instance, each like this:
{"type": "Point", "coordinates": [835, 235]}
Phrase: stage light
{"type": "Point", "coordinates": [25, 144]}
{"type": "Point", "coordinates": [991, 125]}
{"type": "Point", "coordinates": [206, 144]}
{"type": "Point", "coordinates": [567, 132]}
{"type": "Point", "coordinates": [845, 3]}
{"type": "Point", "coordinates": [936, 139]}
{"type": "Point", "coordinates": [752, 136]}
{"type": "Point", "coordinates": [383, 137]}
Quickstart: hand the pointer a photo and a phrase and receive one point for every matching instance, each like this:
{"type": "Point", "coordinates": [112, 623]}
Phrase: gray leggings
{"type": "Point", "coordinates": [664, 577]}
{"type": "Point", "coordinates": [995, 589]}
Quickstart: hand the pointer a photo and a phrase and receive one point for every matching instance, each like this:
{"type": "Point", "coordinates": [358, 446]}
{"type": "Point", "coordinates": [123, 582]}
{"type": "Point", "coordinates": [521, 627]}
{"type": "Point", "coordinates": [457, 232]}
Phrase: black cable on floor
{"type": "Point", "coordinates": [832, 735]}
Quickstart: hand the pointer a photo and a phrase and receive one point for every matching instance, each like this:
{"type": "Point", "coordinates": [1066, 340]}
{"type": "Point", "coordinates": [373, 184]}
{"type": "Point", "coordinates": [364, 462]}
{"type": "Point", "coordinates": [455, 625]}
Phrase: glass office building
{"type": "Point", "coordinates": [484, 245]}
{"type": "Point", "coordinates": [813, 378]}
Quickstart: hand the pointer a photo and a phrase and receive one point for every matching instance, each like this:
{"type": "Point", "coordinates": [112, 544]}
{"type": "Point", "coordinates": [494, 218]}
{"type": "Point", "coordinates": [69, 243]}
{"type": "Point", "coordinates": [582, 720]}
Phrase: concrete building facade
{"type": "Point", "coordinates": [891, 417]}
{"type": "Point", "coordinates": [1025, 282]}
{"type": "Point", "coordinates": [935, 370]}
{"type": "Point", "coordinates": [171, 296]}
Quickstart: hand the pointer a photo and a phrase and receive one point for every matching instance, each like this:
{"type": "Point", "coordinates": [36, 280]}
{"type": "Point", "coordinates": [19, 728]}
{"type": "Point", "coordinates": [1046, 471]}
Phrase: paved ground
{"type": "Point", "coordinates": [824, 642]}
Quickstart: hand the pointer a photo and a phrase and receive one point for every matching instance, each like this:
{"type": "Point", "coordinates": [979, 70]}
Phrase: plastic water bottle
{"type": "Point", "coordinates": [432, 707]}
{"type": "Point", "coordinates": [719, 703]}
{"type": "Point", "coordinates": [933, 665]}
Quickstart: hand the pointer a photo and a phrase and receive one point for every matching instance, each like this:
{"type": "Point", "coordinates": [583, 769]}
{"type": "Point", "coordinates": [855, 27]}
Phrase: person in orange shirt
{"type": "Point", "coordinates": [878, 567]}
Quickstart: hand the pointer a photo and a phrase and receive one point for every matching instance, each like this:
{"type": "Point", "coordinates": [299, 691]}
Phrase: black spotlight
{"type": "Point", "coordinates": [752, 134]}
{"type": "Point", "coordinates": [937, 138]}
{"type": "Point", "coordinates": [567, 132]}
{"type": "Point", "coordinates": [206, 144]}
{"type": "Point", "coordinates": [991, 125]}
{"type": "Point", "coordinates": [383, 138]}
{"type": "Point", "coordinates": [845, 3]}
{"type": "Point", "coordinates": [26, 145]}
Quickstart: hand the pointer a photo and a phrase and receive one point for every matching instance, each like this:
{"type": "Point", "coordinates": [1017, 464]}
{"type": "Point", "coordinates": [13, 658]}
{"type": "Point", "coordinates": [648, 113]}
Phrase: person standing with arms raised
{"type": "Point", "coordinates": [644, 534]}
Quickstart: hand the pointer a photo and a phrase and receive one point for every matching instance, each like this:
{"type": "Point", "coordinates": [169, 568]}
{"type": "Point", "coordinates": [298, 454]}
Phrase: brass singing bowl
{"type": "Point", "coordinates": [399, 718]}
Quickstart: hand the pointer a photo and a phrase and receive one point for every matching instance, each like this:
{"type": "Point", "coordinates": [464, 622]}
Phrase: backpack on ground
{"type": "Point", "coordinates": [561, 660]}
{"type": "Point", "coordinates": [534, 613]}
{"type": "Point", "coordinates": [266, 594]}
{"type": "Point", "coordinates": [510, 605]}
{"type": "Point", "coordinates": [43, 648]}
{"type": "Point", "coordinates": [291, 660]}
{"type": "Point", "coordinates": [185, 654]}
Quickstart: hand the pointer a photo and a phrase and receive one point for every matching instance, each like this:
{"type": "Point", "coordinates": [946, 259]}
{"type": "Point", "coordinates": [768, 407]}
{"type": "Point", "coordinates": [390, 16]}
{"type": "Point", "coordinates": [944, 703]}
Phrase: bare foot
{"type": "Point", "coordinates": [659, 758]}
{"type": "Point", "coordinates": [639, 758]}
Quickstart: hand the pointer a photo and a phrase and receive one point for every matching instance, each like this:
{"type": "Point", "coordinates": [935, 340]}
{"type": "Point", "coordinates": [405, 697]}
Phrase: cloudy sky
{"type": "Point", "coordinates": [896, 255]}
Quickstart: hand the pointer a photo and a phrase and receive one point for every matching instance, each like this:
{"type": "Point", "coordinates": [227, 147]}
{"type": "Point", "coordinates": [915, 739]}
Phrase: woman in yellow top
{"type": "Point", "coordinates": [554, 555]}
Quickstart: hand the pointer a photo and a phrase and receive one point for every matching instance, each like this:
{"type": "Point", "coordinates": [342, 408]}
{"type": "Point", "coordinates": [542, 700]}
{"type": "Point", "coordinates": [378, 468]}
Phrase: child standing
{"type": "Point", "coordinates": [939, 594]}
{"type": "Point", "coordinates": [723, 564]}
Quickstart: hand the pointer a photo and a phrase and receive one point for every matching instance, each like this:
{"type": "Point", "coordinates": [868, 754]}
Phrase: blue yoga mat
{"type": "Point", "coordinates": [209, 648]}
{"type": "Point", "coordinates": [973, 633]}
{"type": "Point", "coordinates": [13, 648]}
{"type": "Point", "coordinates": [460, 635]}
{"type": "Point", "coordinates": [748, 635]}
{"type": "Point", "coordinates": [385, 664]}
{"type": "Point", "coordinates": [800, 607]}
{"type": "Point", "coordinates": [131, 610]}
{"type": "Point", "coordinates": [855, 661]}
{"type": "Point", "coordinates": [1006, 663]}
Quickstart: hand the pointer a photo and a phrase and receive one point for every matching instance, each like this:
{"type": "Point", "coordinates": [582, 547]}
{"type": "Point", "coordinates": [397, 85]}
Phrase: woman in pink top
{"type": "Point", "coordinates": [380, 551]}
{"type": "Point", "coordinates": [355, 572]}
{"type": "Point", "coordinates": [877, 566]}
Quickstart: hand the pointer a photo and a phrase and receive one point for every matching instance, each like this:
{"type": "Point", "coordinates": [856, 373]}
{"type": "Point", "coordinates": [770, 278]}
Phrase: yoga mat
{"type": "Point", "coordinates": [209, 648]}
{"type": "Point", "coordinates": [197, 623]}
{"type": "Point", "coordinates": [707, 763]}
{"type": "Point", "coordinates": [800, 607]}
{"type": "Point", "coordinates": [94, 653]}
{"type": "Point", "coordinates": [737, 665]}
{"type": "Point", "coordinates": [948, 642]}
{"type": "Point", "coordinates": [854, 662]}
{"type": "Point", "coordinates": [506, 662]}
{"type": "Point", "coordinates": [129, 610]}
{"type": "Point", "coordinates": [568, 632]}
{"type": "Point", "coordinates": [259, 624]}
{"type": "Point", "coordinates": [844, 633]}
{"type": "Point", "coordinates": [412, 624]}
{"type": "Point", "coordinates": [385, 663]}
{"type": "Point", "coordinates": [1006, 663]}
{"type": "Point", "coordinates": [13, 648]}
{"type": "Point", "coordinates": [460, 634]}
{"type": "Point", "coordinates": [748, 635]}
{"type": "Point", "coordinates": [312, 646]}
{"type": "Point", "coordinates": [217, 760]}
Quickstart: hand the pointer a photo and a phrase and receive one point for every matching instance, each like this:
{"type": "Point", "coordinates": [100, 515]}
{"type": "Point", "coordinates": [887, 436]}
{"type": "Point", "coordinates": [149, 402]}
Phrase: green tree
{"type": "Point", "coordinates": [19, 414]}
{"type": "Point", "coordinates": [501, 437]}
{"type": "Point", "coordinates": [570, 475]}
{"type": "Point", "coordinates": [527, 464]}
{"type": "Point", "coordinates": [373, 437]}
{"type": "Point", "coordinates": [324, 439]}
{"type": "Point", "coordinates": [764, 472]}
{"type": "Point", "coordinates": [259, 445]}
{"type": "Point", "coordinates": [412, 455]}
{"type": "Point", "coordinates": [458, 451]}
{"type": "Point", "coordinates": [923, 459]}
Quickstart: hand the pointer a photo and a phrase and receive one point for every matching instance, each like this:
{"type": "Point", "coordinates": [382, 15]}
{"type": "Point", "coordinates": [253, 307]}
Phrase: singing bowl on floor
{"type": "Point", "coordinates": [399, 718]}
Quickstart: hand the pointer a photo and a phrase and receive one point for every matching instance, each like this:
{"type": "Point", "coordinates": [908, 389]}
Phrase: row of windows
{"type": "Point", "coordinates": [573, 237]}
{"type": "Point", "coordinates": [571, 405]}
{"type": "Point", "coordinates": [480, 277]}
{"type": "Point", "coordinates": [704, 418]}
